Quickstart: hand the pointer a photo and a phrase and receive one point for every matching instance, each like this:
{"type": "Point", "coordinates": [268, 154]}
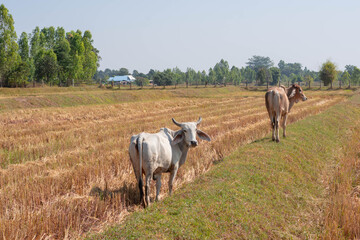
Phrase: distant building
{"type": "Point", "coordinates": [122, 79]}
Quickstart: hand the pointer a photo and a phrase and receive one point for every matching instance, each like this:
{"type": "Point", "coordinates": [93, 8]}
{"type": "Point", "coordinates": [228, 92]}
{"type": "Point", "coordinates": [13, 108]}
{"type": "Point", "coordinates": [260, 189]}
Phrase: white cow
{"type": "Point", "coordinates": [165, 151]}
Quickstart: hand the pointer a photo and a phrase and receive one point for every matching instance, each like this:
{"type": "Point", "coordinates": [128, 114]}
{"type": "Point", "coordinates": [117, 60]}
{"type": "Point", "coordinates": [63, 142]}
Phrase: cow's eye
{"type": "Point", "coordinates": [300, 90]}
{"type": "Point", "coordinates": [184, 131]}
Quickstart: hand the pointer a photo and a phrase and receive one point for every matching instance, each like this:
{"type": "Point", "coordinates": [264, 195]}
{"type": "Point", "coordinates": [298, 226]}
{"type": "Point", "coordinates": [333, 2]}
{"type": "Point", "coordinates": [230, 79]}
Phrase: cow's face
{"type": "Point", "coordinates": [296, 93]}
{"type": "Point", "coordinates": [188, 133]}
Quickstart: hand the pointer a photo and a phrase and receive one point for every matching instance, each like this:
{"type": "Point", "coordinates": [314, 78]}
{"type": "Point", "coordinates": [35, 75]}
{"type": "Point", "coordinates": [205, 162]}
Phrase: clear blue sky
{"type": "Point", "coordinates": [160, 34]}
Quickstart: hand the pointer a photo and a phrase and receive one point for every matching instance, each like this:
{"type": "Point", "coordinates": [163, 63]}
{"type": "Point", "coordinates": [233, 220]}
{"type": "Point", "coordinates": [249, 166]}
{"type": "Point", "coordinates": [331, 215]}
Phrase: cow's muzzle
{"type": "Point", "coordinates": [194, 143]}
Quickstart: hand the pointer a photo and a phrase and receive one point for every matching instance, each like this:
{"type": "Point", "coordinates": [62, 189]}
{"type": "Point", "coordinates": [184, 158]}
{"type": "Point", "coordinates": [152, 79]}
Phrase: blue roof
{"type": "Point", "coordinates": [127, 78]}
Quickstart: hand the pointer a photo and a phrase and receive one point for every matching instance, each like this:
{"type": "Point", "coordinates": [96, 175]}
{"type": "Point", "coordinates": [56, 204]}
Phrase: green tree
{"type": "Point", "coordinates": [235, 75]}
{"type": "Point", "coordinates": [345, 78]}
{"type": "Point", "coordinates": [47, 37]}
{"type": "Point", "coordinates": [64, 61]}
{"type": "Point", "coordinates": [76, 56]}
{"type": "Point", "coordinates": [350, 69]}
{"type": "Point", "coordinates": [212, 77]}
{"type": "Point", "coordinates": [198, 77]}
{"type": "Point", "coordinates": [141, 81]}
{"type": "Point", "coordinates": [261, 76]}
{"type": "Point", "coordinates": [204, 78]}
{"type": "Point", "coordinates": [189, 76]}
{"type": "Point", "coordinates": [288, 68]}
{"type": "Point", "coordinates": [9, 56]}
{"type": "Point", "coordinates": [258, 62]}
{"type": "Point", "coordinates": [24, 49]}
{"type": "Point", "coordinates": [158, 78]}
{"type": "Point", "coordinates": [46, 66]}
{"type": "Point", "coordinates": [222, 70]}
{"type": "Point", "coordinates": [275, 74]}
{"type": "Point", "coordinates": [283, 79]}
{"type": "Point", "coordinates": [355, 76]}
{"type": "Point", "coordinates": [178, 76]}
{"type": "Point", "coordinates": [309, 79]}
{"type": "Point", "coordinates": [249, 75]}
{"type": "Point", "coordinates": [90, 58]}
{"type": "Point", "coordinates": [328, 73]}
{"type": "Point", "coordinates": [169, 77]}
{"type": "Point", "coordinates": [18, 75]}
{"type": "Point", "coordinates": [123, 72]}
{"type": "Point", "coordinates": [292, 78]}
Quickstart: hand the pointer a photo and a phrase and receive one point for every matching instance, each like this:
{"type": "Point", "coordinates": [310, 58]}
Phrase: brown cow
{"type": "Point", "coordinates": [279, 101]}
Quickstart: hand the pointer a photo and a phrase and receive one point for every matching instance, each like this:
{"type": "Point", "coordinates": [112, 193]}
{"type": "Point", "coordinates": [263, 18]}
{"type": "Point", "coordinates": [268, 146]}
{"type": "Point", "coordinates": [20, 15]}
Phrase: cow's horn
{"type": "Point", "coordinates": [199, 121]}
{"type": "Point", "coordinates": [176, 123]}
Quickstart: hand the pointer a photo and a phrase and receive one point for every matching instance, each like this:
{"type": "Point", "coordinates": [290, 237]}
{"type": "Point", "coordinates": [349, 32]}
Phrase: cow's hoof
{"type": "Point", "coordinates": [273, 139]}
{"type": "Point", "coordinates": [277, 140]}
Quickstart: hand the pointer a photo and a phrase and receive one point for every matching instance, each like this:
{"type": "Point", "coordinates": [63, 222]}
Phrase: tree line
{"type": "Point", "coordinates": [259, 70]}
{"type": "Point", "coordinates": [47, 55]}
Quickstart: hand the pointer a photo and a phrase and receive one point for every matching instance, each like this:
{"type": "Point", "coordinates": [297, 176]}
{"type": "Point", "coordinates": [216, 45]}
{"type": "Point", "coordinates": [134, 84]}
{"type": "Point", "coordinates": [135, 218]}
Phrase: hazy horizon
{"type": "Point", "coordinates": [144, 35]}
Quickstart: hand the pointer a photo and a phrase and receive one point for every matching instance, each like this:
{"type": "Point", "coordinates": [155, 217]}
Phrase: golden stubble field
{"type": "Point", "coordinates": [51, 158]}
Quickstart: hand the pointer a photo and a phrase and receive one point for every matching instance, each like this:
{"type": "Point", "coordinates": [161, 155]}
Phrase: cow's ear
{"type": "Point", "coordinates": [179, 136]}
{"type": "Point", "coordinates": [203, 135]}
{"type": "Point", "coordinates": [293, 92]}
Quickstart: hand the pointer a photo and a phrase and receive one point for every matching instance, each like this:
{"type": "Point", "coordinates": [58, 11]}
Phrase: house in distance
{"type": "Point", "coordinates": [127, 79]}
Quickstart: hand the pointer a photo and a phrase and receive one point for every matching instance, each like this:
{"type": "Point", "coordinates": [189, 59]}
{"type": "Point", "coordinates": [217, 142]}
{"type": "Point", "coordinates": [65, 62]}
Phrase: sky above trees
{"type": "Point", "coordinates": [162, 34]}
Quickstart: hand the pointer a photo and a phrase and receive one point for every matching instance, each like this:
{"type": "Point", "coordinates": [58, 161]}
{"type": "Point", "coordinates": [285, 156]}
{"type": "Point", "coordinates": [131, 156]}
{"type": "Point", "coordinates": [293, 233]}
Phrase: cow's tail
{"type": "Point", "coordinates": [267, 103]}
{"type": "Point", "coordinates": [139, 144]}
{"type": "Point", "coordinates": [276, 104]}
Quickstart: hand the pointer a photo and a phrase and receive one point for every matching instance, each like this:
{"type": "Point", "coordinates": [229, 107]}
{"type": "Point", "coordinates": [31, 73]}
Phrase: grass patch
{"type": "Point", "coordinates": [263, 190]}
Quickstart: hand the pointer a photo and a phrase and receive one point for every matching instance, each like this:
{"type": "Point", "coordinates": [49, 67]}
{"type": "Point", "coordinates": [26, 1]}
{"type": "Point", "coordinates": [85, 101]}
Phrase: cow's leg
{"type": "Point", "coordinates": [147, 188]}
{"type": "Point", "coordinates": [158, 185]}
{"type": "Point", "coordinates": [171, 179]}
{"type": "Point", "coordinates": [277, 127]}
{"type": "Point", "coordinates": [284, 124]}
{"type": "Point", "coordinates": [140, 183]}
{"type": "Point", "coordinates": [273, 127]}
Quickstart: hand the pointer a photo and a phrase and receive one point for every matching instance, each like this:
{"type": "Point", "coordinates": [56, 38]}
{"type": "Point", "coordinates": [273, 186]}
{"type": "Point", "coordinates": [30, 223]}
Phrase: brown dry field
{"type": "Point", "coordinates": [52, 157]}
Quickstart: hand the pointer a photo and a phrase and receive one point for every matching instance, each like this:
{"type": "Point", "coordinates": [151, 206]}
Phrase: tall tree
{"type": "Point", "coordinates": [90, 57]}
{"type": "Point", "coordinates": [47, 37]}
{"type": "Point", "coordinates": [8, 45]}
{"type": "Point", "coordinates": [190, 73]}
{"type": "Point", "coordinates": [235, 75]}
{"type": "Point", "coordinates": [177, 75]}
{"type": "Point", "coordinates": [76, 55]}
{"type": "Point", "coordinates": [212, 77]}
{"type": "Point", "coordinates": [328, 73]}
{"type": "Point", "coordinates": [204, 78]}
{"type": "Point", "coordinates": [64, 61]}
{"type": "Point", "coordinates": [222, 70]}
{"type": "Point", "coordinates": [350, 69]}
{"type": "Point", "coordinates": [46, 66]}
{"type": "Point", "coordinates": [258, 62]}
{"type": "Point", "coordinates": [24, 49]}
